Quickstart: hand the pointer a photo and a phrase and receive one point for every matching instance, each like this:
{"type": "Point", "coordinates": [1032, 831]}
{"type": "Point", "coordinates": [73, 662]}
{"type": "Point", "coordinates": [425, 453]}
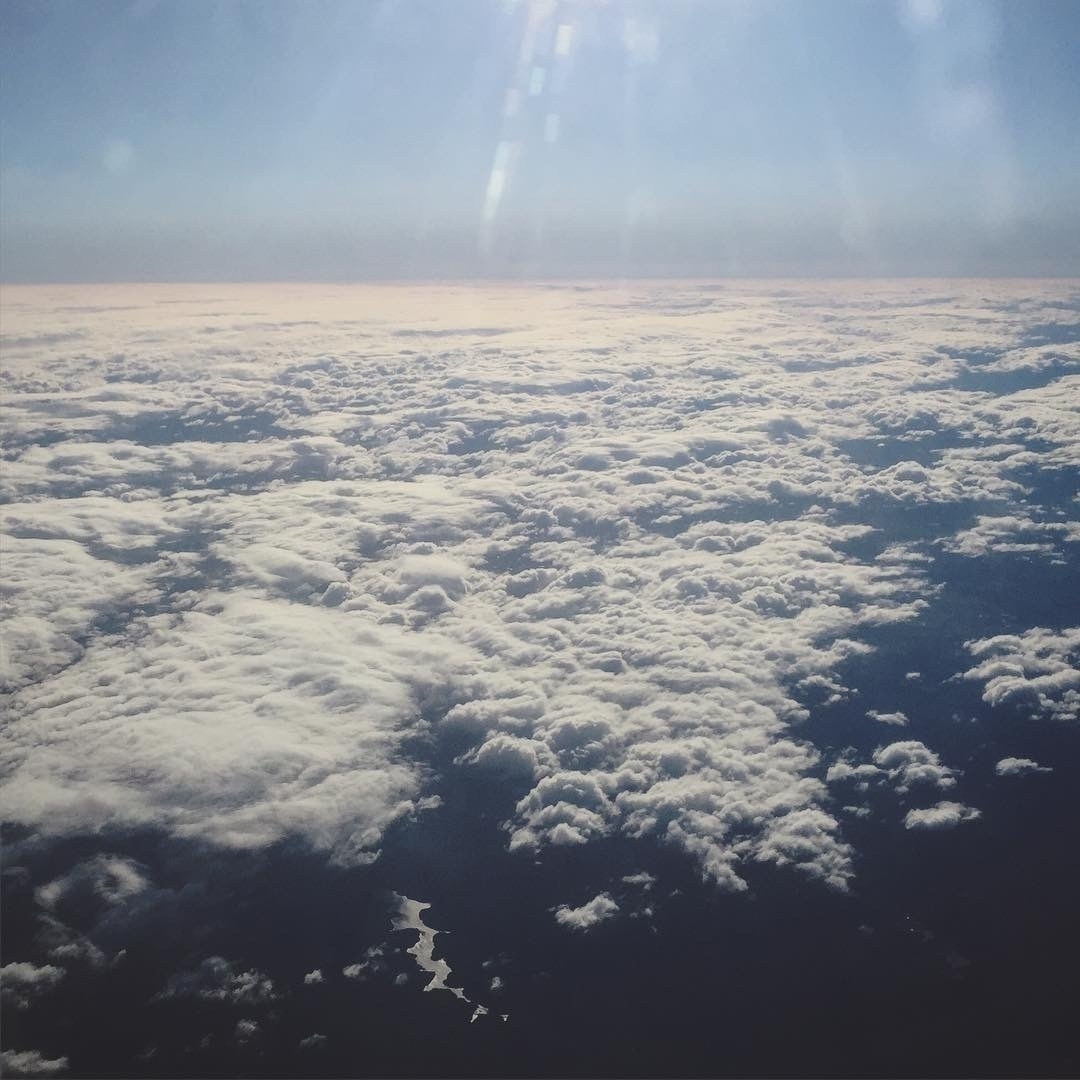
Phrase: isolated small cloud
{"type": "Point", "coordinates": [371, 963]}
{"type": "Point", "coordinates": [843, 770]}
{"type": "Point", "coordinates": [1018, 766]}
{"type": "Point", "coordinates": [945, 815]}
{"type": "Point", "coordinates": [912, 762]}
{"type": "Point", "coordinates": [246, 1030]}
{"type": "Point", "coordinates": [896, 719]}
{"type": "Point", "coordinates": [31, 1063]}
{"type": "Point", "coordinates": [599, 909]}
{"type": "Point", "coordinates": [217, 979]}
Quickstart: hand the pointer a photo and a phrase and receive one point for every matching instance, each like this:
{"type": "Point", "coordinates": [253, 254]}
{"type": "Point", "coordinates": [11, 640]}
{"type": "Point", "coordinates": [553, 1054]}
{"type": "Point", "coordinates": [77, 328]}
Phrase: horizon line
{"type": "Point", "coordinates": [599, 279]}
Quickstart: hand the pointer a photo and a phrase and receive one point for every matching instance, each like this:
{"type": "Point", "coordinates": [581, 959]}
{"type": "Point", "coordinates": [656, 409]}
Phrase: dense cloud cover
{"type": "Point", "coordinates": [262, 545]}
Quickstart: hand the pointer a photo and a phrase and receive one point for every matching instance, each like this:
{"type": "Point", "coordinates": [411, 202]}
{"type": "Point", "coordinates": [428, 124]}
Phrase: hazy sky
{"type": "Point", "coordinates": [225, 139]}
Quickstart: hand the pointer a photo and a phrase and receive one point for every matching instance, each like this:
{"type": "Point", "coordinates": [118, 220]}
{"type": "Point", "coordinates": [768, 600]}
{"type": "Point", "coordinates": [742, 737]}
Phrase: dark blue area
{"type": "Point", "coordinates": [165, 429]}
{"type": "Point", "coordinates": [1012, 382]}
{"type": "Point", "coordinates": [1051, 333]}
{"type": "Point", "coordinates": [954, 955]}
{"type": "Point", "coordinates": [887, 450]}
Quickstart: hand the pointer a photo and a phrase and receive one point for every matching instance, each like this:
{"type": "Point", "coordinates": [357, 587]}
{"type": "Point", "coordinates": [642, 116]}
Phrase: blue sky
{"type": "Point", "coordinates": [226, 139]}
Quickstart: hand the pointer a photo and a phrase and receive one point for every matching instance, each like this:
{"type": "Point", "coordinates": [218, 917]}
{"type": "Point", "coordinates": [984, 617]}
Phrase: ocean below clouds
{"type": "Point", "coordinates": [703, 658]}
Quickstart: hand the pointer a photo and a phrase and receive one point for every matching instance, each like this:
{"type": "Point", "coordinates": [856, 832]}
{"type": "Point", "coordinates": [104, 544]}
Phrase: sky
{"type": "Point", "coordinates": [153, 140]}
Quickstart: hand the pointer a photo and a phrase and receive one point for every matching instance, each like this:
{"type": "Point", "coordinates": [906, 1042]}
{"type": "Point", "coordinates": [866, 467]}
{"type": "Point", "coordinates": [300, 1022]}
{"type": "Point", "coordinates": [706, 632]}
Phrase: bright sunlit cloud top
{"type": "Point", "coordinates": [160, 139]}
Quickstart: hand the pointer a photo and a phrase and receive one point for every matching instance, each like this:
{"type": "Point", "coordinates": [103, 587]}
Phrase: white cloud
{"type": "Point", "coordinates": [313, 977]}
{"type": "Point", "coordinates": [844, 770]}
{"type": "Point", "coordinates": [31, 1063]}
{"type": "Point", "coordinates": [1014, 534]}
{"type": "Point", "coordinates": [1038, 670]}
{"type": "Point", "coordinates": [110, 878]}
{"type": "Point", "coordinates": [911, 762]}
{"type": "Point", "coordinates": [373, 962]}
{"type": "Point", "coordinates": [217, 979]}
{"type": "Point", "coordinates": [597, 910]}
{"type": "Point", "coordinates": [896, 719]}
{"type": "Point", "coordinates": [21, 982]}
{"type": "Point", "coordinates": [945, 815]}
{"type": "Point", "coordinates": [1019, 766]}
{"type": "Point", "coordinates": [54, 592]}
{"type": "Point", "coordinates": [238, 721]}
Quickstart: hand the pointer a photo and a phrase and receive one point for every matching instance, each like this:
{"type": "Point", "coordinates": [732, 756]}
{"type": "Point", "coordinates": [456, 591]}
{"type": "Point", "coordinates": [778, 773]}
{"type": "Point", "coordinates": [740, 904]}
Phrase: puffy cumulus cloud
{"type": "Point", "coordinates": [512, 755]}
{"type": "Point", "coordinates": [607, 544]}
{"type": "Point", "coordinates": [1039, 671]}
{"type": "Point", "coordinates": [53, 593]}
{"type": "Point", "coordinates": [1013, 534]}
{"type": "Point", "coordinates": [21, 982]}
{"type": "Point", "coordinates": [1019, 766]}
{"type": "Point", "coordinates": [807, 838]}
{"type": "Point", "coordinates": [217, 979]}
{"type": "Point", "coordinates": [896, 719]}
{"type": "Point", "coordinates": [125, 468]}
{"type": "Point", "coordinates": [113, 528]}
{"type": "Point", "coordinates": [911, 762]}
{"type": "Point", "coordinates": [676, 721]}
{"type": "Point", "coordinates": [312, 978]}
{"type": "Point", "coordinates": [238, 721]}
{"type": "Point", "coordinates": [284, 571]}
{"type": "Point", "coordinates": [599, 909]}
{"type": "Point", "coordinates": [945, 815]}
{"type": "Point", "coordinates": [31, 1063]}
{"type": "Point", "coordinates": [843, 770]}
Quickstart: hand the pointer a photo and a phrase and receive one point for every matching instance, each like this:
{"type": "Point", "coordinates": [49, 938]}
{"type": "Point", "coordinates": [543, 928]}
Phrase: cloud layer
{"type": "Point", "coordinates": [261, 546]}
